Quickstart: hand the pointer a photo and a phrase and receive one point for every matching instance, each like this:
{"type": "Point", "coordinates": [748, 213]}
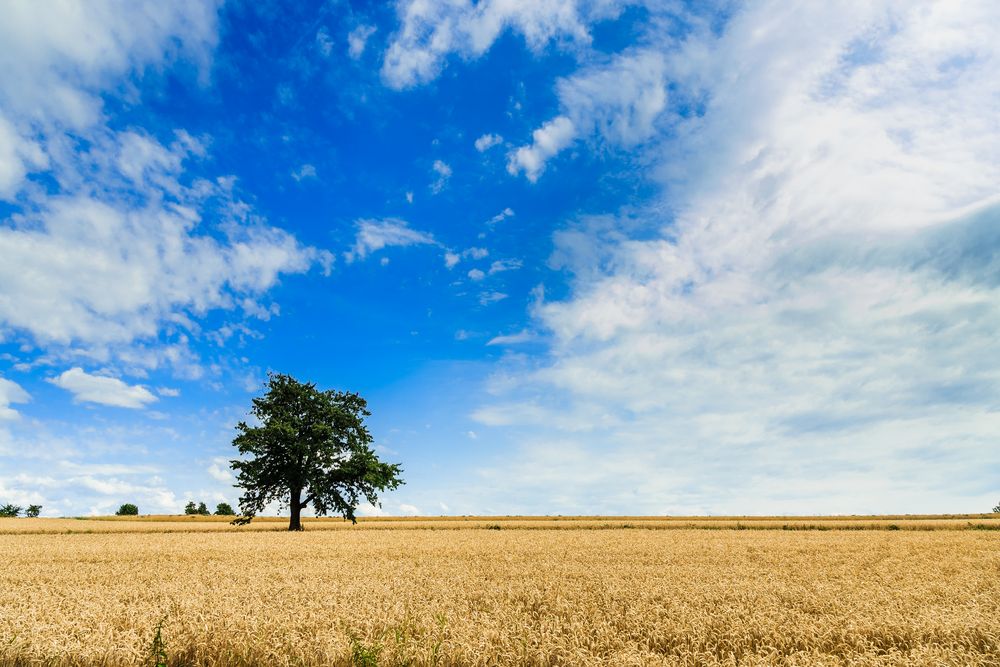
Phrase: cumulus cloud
{"type": "Point", "coordinates": [102, 389]}
{"type": "Point", "coordinates": [488, 141]}
{"type": "Point", "coordinates": [814, 328]}
{"type": "Point", "coordinates": [154, 244]}
{"type": "Point", "coordinates": [476, 274]}
{"type": "Point", "coordinates": [220, 470]}
{"type": "Point", "coordinates": [11, 392]}
{"type": "Point", "coordinates": [373, 235]}
{"type": "Point", "coordinates": [357, 39]}
{"type": "Point", "coordinates": [547, 140]}
{"type": "Point", "coordinates": [430, 30]}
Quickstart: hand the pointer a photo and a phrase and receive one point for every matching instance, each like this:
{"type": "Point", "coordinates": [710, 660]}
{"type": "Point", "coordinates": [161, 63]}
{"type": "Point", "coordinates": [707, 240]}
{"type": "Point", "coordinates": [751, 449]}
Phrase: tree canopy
{"type": "Point", "coordinates": [312, 448]}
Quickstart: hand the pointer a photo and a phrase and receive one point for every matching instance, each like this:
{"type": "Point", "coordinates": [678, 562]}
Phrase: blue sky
{"type": "Point", "coordinates": [580, 257]}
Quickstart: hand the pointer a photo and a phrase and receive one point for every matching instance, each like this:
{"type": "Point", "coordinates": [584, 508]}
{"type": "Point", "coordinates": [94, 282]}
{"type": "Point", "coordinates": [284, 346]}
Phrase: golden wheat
{"type": "Point", "coordinates": [473, 596]}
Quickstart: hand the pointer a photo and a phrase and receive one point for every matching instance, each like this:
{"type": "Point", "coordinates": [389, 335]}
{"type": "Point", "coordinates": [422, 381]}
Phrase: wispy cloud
{"type": "Point", "coordinates": [357, 39]}
{"type": "Point", "coordinates": [373, 235]}
{"type": "Point", "coordinates": [815, 323]}
{"type": "Point", "coordinates": [444, 173]}
{"type": "Point", "coordinates": [304, 172]}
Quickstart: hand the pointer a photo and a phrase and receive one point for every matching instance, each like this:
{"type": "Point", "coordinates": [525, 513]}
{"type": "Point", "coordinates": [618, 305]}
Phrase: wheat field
{"type": "Point", "coordinates": [494, 591]}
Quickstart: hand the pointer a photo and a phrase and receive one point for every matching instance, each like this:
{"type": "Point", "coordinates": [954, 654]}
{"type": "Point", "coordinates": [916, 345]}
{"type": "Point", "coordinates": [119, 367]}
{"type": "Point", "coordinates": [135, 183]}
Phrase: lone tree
{"type": "Point", "coordinates": [33, 511]}
{"type": "Point", "coordinates": [312, 448]}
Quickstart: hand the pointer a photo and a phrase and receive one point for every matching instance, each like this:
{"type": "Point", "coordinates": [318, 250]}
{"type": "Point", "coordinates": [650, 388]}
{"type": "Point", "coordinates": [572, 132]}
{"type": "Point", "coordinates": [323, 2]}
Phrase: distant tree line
{"type": "Point", "coordinates": [222, 509]}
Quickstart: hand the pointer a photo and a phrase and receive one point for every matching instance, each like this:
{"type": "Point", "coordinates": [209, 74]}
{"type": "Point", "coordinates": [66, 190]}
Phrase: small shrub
{"type": "Point", "coordinates": [128, 509]}
{"type": "Point", "coordinates": [997, 508]}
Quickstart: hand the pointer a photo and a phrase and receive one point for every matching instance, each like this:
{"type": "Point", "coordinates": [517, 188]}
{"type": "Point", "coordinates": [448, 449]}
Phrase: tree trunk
{"type": "Point", "coordinates": [295, 521]}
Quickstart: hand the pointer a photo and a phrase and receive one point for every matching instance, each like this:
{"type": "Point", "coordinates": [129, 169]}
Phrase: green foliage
{"type": "Point", "coordinates": [158, 650]}
{"type": "Point", "coordinates": [224, 509]}
{"type": "Point", "coordinates": [33, 511]}
{"type": "Point", "coordinates": [10, 511]}
{"type": "Point", "coordinates": [997, 508]}
{"type": "Point", "coordinates": [194, 510]}
{"type": "Point", "coordinates": [311, 449]}
{"type": "Point", "coordinates": [364, 656]}
{"type": "Point", "coordinates": [127, 509]}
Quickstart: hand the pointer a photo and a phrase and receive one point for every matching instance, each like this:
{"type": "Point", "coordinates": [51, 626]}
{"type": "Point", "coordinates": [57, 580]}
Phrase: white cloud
{"type": "Point", "coordinates": [814, 329]}
{"type": "Point", "coordinates": [476, 274]}
{"type": "Point", "coordinates": [488, 141]}
{"type": "Point", "coordinates": [523, 336]}
{"type": "Point", "coordinates": [168, 392]}
{"type": "Point", "coordinates": [501, 216]}
{"type": "Point", "coordinates": [505, 265]}
{"type": "Point", "coordinates": [492, 296]}
{"type": "Point", "coordinates": [357, 39]}
{"type": "Point", "coordinates": [102, 389]}
{"type": "Point", "coordinates": [156, 244]}
{"type": "Point", "coordinates": [373, 235]}
{"type": "Point", "coordinates": [621, 101]}
{"type": "Point", "coordinates": [451, 259]}
{"type": "Point", "coordinates": [475, 253]}
{"type": "Point", "coordinates": [408, 510]}
{"type": "Point", "coordinates": [409, 197]}
{"type": "Point", "coordinates": [324, 42]}
{"type": "Point", "coordinates": [444, 173]}
{"type": "Point", "coordinates": [11, 392]}
{"type": "Point", "coordinates": [547, 140]}
{"type": "Point", "coordinates": [304, 172]}
{"type": "Point", "coordinates": [431, 29]}
{"type": "Point", "coordinates": [220, 470]}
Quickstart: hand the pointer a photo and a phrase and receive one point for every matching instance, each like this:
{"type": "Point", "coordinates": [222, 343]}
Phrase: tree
{"type": "Point", "coordinates": [190, 508]}
{"type": "Point", "coordinates": [128, 509]}
{"type": "Point", "coordinates": [224, 509]}
{"type": "Point", "coordinates": [10, 511]}
{"type": "Point", "coordinates": [997, 508]}
{"type": "Point", "coordinates": [203, 509]}
{"type": "Point", "coordinates": [33, 511]}
{"type": "Point", "coordinates": [312, 448]}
